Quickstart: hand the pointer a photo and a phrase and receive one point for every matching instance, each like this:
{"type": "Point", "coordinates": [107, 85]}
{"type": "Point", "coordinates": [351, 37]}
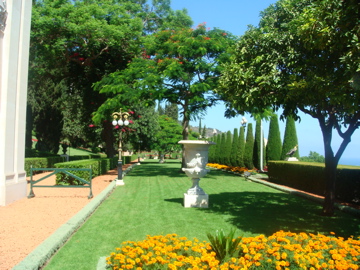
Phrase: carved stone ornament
{"type": "Point", "coordinates": [3, 15]}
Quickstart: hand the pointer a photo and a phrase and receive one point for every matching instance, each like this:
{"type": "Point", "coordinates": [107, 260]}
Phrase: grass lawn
{"type": "Point", "coordinates": [74, 151]}
{"type": "Point", "coordinates": [150, 203]}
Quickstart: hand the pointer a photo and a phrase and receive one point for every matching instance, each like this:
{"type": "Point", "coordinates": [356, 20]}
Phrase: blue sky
{"type": "Point", "coordinates": [234, 16]}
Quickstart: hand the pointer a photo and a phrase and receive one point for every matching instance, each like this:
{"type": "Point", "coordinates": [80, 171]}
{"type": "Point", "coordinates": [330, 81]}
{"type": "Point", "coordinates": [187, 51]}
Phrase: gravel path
{"type": "Point", "coordinates": [28, 222]}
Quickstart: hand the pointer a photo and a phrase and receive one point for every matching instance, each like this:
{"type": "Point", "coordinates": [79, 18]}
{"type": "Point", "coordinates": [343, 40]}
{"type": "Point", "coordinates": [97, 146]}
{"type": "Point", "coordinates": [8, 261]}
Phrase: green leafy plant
{"type": "Point", "coordinates": [224, 246]}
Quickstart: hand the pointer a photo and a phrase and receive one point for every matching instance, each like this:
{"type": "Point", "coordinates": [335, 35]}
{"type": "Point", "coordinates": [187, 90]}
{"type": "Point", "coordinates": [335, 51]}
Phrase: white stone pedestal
{"type": "Point", "coordinates": [199, 201]}
{"type": "Point", "coordinates": [291, 159]}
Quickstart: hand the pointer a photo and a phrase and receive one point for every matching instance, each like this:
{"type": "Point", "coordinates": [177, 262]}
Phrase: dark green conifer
{"type": "Point", "coordinates": [290, 139]}
{"type": "Point", "coordinates": [234, 148]}
{"type": "Point", "coordinates": [273, 147]}
{"type": "Point", "coordinates": [227, 149]}
{"type": "Point", "coordinates": [221, 148]}
{"type": "Point", "coordinates": [218, 149]}
{"type": "Point", "coordinates": [212, 149]}
{"type": "Point", "coordinates": [203, 133]}
{"type": "Point", "coordinates": [241, 148]}
{"type": "Point", "coordinates": [200, 128]}
{"type": "Point", "coordinates": [249, 148]}
{"type": "Point", "coordinates": [256, 151]}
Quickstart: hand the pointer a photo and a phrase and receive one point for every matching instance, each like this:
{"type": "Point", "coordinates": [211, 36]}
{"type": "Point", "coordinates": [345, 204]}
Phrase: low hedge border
{"type": "Point", "coordinates": [309, 177]}
{"type": "Point", "coordinates": [45, 162]}
{"type": "Point", "coordinates": [98, 167]}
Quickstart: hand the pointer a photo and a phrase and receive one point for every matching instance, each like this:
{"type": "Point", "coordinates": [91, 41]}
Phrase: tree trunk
{"type": "Point", "coordinates": [108, 137]}
{"type": "Point", "coordinates": [330, 180]}
{"type": "Point", "coordinates": [185, 133]}
{"type": "Point", "coordinates": [330, 172]}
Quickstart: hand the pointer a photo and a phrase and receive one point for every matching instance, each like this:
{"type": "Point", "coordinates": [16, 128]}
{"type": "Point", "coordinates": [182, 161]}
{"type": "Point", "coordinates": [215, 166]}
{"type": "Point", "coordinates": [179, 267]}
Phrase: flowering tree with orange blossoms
{"type": "Point", "coordinates": [181, 66]}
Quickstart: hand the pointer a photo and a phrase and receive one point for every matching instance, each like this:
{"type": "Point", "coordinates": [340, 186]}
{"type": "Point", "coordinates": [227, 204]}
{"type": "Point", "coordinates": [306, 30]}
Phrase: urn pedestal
{"type": "Point", "coordinates": [196, 157]}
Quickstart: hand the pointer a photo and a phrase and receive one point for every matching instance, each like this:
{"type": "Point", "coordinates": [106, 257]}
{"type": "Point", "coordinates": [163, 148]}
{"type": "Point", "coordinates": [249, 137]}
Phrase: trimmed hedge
{"type": "Point", "coordinates": [44, 162]}
{"type": "Point", "coordinates": [309, 177]}
{"type": "Point", "coordinates": [90, 156]}
{"type": "Point", "coordinates": [99, 166]}
{"type": "Point", "coordinates": [31, 153]}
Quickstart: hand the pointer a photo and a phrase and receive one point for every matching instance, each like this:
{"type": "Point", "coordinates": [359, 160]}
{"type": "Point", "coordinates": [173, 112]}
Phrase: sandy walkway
{"type": "Point", "coordinates": [27, 222]}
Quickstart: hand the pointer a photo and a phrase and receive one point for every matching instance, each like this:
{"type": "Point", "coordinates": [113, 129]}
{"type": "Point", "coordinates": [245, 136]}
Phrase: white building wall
{"type": "Point", "coordinates": [14, 59]}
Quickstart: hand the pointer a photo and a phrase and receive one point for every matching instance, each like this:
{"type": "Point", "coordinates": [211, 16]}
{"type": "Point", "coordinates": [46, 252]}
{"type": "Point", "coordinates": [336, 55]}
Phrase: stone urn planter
{"type": "Point", "coordinates": [196, 157]}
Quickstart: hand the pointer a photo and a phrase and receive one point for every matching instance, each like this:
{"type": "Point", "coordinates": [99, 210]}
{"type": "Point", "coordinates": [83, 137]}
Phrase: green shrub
{"type": "Point", "coordinates": [44, 162]}
{"type": "Point", "coordinates": [309, 177]}
{"type": "Point", "coordinates": [98, 167]}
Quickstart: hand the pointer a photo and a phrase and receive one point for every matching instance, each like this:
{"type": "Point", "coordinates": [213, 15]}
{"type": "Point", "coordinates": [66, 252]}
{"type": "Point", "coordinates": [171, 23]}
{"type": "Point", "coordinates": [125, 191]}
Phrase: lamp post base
{"type": "Point", "coordinates": [120, 182]}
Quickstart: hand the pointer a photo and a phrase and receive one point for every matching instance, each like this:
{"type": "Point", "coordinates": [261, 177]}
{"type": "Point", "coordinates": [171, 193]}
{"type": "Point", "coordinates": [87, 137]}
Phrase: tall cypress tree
{"type": "Point", "coordinates": [241, 148]}
{"type": "Point", "coordinates": [290, 139]}
{"type": "Point", "coordinates": [273, 147]}
{"type": "Point", "coordinates": [203, 132]}
{"type": "Point", "coordinates": [234, 148]}
{"type": "Point", "coordinates": [227, 149]}
{"type": "Point", "coordinates": [256, 151]}
{"type": "Point", "coordinates": [218, 149]}
{"type": "Point", "coordinates": [212, 150]}
{"type": "Point", "coordinates": [249, 148]}
{"type": "Point", "coordinates": [221, 149]}
{"type": "Point", "coordinates": [200, 127]}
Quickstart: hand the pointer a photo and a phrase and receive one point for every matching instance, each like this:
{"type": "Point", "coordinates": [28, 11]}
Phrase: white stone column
{"type": "Point", "coordinates": [14, 59]}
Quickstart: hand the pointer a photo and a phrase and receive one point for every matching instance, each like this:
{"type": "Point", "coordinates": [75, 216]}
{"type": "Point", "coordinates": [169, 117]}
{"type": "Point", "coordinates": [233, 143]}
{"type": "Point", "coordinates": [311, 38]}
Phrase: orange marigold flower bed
{"type": "Point", "coordinates": [282, 250]}
{"type": "Point", "coordinates": [228, 168]}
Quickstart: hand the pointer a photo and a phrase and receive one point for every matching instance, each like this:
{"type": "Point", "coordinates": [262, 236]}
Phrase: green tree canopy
{"type": "Point", "coordinates": [167, 138]}
{"type": "Point", "coordinates": [181, 66]}
{"type": "Point", "coordinates": [303, 56]}
{"type": "Point", "coordinates": [172, 110]}
{"type": "Point", "coordinates": [313, 157]}
{"type": "Point", "coordinates": [75, 43]}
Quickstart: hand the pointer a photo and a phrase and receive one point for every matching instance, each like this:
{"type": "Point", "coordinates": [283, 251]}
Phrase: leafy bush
{"type": "Point", "coordinates": [225, 246]}
{"type": "Point", "coordinates": [98, 166]}
{"type": "Point", "coordinates": [44, 162]}
{"type": "Point", "coordinates": [282, 250]}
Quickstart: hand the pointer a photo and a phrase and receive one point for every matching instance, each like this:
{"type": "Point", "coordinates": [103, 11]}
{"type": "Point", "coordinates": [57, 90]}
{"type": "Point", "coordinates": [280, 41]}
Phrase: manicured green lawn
{"type": "Point", "coordinates": [151, 203]}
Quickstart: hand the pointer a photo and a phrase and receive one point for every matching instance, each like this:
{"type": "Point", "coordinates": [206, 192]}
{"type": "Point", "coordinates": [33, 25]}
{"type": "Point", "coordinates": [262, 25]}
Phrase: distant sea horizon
{"type": "Point", "coordinates": [350, 161]}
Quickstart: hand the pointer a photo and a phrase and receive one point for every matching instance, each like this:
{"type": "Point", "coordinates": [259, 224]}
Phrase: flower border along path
{"type": "Point", "coordinates": [151, 204]}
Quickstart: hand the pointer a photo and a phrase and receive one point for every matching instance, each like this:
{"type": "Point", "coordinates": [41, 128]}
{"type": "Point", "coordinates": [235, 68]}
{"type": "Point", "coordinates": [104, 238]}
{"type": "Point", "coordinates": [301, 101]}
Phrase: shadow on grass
{"type": "Point", "coordinates": [266, 213]}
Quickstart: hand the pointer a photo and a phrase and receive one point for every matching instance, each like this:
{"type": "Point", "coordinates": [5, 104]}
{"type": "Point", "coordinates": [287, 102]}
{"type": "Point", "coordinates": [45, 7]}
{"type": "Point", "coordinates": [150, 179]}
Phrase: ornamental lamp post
{"type": "Point", "coordinates": [120, 119]}
{"type": "Point", "coordinates": [140, 141]}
